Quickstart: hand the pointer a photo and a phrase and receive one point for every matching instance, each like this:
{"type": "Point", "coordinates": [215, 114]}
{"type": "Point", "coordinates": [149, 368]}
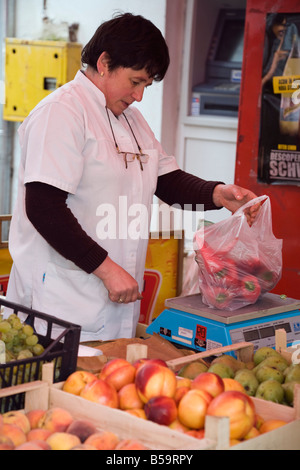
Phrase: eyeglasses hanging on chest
{"type": "Point", "coordinates": [129, 156]}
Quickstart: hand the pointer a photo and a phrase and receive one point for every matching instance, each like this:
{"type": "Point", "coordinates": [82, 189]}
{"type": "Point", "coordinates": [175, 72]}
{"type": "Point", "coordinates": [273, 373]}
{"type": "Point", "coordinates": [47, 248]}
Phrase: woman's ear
{"type": "Point", "coordinates": [103, 63]}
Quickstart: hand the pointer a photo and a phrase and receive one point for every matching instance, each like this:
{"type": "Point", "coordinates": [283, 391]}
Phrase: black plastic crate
{"type": "Point", "coordinates": [61, 351]}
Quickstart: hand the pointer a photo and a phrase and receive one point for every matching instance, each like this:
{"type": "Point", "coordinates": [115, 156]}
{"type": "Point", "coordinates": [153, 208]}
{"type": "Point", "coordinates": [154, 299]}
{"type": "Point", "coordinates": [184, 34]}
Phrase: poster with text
{"type": "Point", "coordinates": [279, 140]}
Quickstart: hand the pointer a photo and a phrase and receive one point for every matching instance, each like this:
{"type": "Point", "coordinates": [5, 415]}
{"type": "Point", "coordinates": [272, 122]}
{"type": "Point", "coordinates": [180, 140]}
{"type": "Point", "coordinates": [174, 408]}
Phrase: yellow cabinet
{"type": "Point", "coordinates": [33, 69]}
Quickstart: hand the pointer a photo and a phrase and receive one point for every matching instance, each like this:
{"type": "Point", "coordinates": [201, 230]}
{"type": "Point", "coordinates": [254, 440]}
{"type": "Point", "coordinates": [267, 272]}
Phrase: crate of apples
{"type": "Point", "coordinates": [150, 390]}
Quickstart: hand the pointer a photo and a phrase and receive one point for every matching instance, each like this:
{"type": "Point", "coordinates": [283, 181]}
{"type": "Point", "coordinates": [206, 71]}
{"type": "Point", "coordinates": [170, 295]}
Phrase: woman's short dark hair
{"type": "Point", "coordinates": [131, 41]}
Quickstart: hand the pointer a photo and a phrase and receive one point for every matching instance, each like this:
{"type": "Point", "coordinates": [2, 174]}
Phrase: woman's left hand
{"type": "Point", "coordinates": [232, 197]}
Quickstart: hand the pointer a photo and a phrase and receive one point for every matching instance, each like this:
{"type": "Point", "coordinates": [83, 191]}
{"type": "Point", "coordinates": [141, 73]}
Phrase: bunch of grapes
{"type": "Point", "coordinates": [20, 340]}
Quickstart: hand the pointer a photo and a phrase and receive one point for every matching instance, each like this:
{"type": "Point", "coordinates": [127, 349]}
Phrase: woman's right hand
{"type": "Point", "coordinates": [121, 286]}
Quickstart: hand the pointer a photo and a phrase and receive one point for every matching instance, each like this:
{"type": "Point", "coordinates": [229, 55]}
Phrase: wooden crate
{"type": "Point", "coordinates": [44, 395]}
{"type": "Point", "coordinates": [244, 352]}
{"type": "Point", "coordinates": [291, 354]}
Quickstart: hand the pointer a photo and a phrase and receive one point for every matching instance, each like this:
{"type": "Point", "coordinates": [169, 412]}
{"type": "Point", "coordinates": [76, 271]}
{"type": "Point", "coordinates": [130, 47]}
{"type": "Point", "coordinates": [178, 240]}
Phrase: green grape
{"type": "Point", "coordinates": [38, 349]}
{"type": "Point", "coordinates": [15, 322]}
{"type": "Point", "coordinates": [32, 340]}
{"type": "Point", "coordinates": [25, 354]}
{"type": "Point", "coordinates": [5, 326]}
{"type": "Point", "coordinates": [28, 330]}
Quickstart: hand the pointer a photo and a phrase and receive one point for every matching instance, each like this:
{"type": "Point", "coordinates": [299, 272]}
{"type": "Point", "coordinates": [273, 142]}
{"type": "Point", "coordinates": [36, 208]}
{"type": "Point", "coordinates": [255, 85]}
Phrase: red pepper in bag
{"type": "Point", "coordinates": [228, 276]}
{"type": "Point", "coordinates": [219, 297]}
{"type": "Point", "coordinates": [268, 279]}
{"type": "Point", "coordinates": [250, 288]}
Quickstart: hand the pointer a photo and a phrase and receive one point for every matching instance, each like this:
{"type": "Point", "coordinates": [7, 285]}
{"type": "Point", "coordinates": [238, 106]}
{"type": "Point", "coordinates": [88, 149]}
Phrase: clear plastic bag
{"type": "Point", "coordinates": [238, 263]}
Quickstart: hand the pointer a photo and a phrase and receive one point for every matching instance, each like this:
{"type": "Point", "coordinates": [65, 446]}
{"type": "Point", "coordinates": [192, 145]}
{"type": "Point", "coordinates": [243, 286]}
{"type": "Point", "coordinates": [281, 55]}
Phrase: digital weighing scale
{"type": "Point", "coordinates": [192, 324]}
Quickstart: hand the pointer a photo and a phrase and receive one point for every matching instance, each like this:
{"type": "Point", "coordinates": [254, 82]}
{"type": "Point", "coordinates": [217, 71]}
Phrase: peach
{"type": "Point", "coordinates": [210, 382]}
{"type": "Point", "coordinates": [131, 444]}
{"type": "Point", "coordinates": [101, 392]}
{"type": "Point", "coordinates": [153, 380]}
{"type": "Point", "coordinates": [271, 424]}
{"type": "Point", "coordinates": [129, 398]}
{"type": "Point", "coordinates": [83, 447]}
{"type": "Point", "coordinates": [38, 434]}
{"type": "Point", "coordinates": [192, 408]}
{"type": "Point", "coordinates": [14, 433]}
{"type": "Point", "coordinates": [231, 384]}
{"type": "Point", "coordinates": [56, 420]}
{"type": "Point", "coordinates": [5, 442]}
{"type": "Point", "coordinates": [34, 445]}
{"type": "Point", "coordinates": [240, 410]}
{"type": "Point", "coordinates": [176, 425]}
{"type": "Point", "coordinates": [197, 433]}
{"type": "Point", "coordinates": [254, 432]}
{"type": "Point", "coordinates": [179, 393]}
{"type": "Point", "coordinates": [77, 381]}
{"type": "Point", "coordinates": [103, 440]}
{"type": "Point", "coordinates": [62, 441]}
{"type": "Point", "coordinates": [82, 428]}
{"type": "Point", "coordinates": [34, 417]}
{"type": "Point", "coordinates": [138, 412]}
{"type": "Point", "coordinates": [161, 410]}
{"type": "Point", "coordinates": [18, 418]}
{"type": "Point", "coordinates": [118, 372]}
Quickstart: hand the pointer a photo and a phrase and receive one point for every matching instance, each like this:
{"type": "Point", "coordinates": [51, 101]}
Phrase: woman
{"type": "Point", "coordinates": [85, 153]}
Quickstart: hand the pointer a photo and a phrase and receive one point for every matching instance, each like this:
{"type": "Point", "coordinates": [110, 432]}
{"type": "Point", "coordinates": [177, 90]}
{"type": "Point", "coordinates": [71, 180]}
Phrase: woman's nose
{"type": "Point", "coordinates": [138, 94]}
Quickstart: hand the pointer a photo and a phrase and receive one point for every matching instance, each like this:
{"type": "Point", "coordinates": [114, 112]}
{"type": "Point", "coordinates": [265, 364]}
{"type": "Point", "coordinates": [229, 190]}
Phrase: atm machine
{"type": "Point", "coordinates": [219, 94]}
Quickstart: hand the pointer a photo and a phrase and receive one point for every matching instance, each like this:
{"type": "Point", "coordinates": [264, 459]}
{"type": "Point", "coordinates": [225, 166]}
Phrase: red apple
{"type": "Point", "coordinates": [210, 382]}
{"type": "Point", "coordinates": [161, 410]}
{"type": "Point", "coordinates": [240, 410]}
{"type": "Point", "coordinates": [101, 392]}
{"type": "Point", "coordinates": [153, 380]}
{"type": "Point", "coordinates": [192, 408]}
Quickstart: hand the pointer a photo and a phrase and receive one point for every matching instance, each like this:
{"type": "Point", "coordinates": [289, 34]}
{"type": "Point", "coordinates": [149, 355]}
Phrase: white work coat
{"type": "Point", "coordinates": [67, 142]}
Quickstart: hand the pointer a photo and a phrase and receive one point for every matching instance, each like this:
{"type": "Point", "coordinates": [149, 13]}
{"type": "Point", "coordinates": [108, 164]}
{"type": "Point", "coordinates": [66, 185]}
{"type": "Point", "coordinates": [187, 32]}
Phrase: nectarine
{"type": "Point", "coordinates": [161, 410]}
{"type": "Point", "coordinates": [138, 412]}
{"type": "Point", "coordinates": [240, 410]}
{"type": "Point", "coordinates": [118, 372]}
{"type": "Point", "coordinates": [210, 382]}
{"type": "Point", "coordinates": [153, 380]}
{"type": "Point", "coordinates": [101, 392]}
{"type": "Point", "coordinates": [34, 445]}
{"type": "Point", "coordinates": [77, 381]}
{"type": "Point", "coordinates": [192, 408]}
{"type": "Point", "coordinates": [271, 424]}
{"type": "Point", "coordinates": [129, 398]}
{"type": "Point", "coordinates": [38, 434]}
{"type": "Point", "coordinates": [232, 384]}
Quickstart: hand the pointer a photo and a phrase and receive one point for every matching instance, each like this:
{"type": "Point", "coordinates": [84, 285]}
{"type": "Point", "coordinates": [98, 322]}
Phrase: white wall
{"type": "Point", "coordinates": [90, 14]}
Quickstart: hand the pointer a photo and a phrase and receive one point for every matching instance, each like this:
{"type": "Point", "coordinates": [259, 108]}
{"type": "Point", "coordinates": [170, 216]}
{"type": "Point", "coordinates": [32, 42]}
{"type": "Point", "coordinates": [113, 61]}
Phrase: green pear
{"type": "Point", "coordinates": [223, 370]}
{"type": "Point", "coordinates": [266, 373]}
{"type": "Point", "coordinates": [292, 373]}
{"type": "Point", "coordinates": [262, 353]}
{"type": "Point", "coordinates": [273, 361]}
{"type": "Point", "coordinates": [289, 391]}
{"type": "Point", "coordinates": [230, 361]}
{"type": "Point", "coordinates": [247, 378]}
{"type": "Point", "coordinates": [270, 390]}
{"type": "Point", "coordinates": [191, 370]}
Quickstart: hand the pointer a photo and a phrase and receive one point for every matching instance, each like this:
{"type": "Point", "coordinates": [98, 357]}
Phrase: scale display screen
{"type": "Point", "coordinates": [264, 334]}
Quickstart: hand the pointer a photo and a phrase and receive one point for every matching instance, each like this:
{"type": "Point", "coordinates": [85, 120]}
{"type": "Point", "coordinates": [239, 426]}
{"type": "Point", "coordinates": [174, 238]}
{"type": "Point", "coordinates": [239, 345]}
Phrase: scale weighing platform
{"type": "Point", "coordinates": [192, 324]}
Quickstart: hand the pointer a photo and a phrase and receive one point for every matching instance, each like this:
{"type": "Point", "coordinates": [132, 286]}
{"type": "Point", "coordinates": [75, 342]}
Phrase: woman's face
{"type": "Point", "coordinates": [122, 87]}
